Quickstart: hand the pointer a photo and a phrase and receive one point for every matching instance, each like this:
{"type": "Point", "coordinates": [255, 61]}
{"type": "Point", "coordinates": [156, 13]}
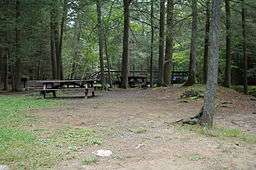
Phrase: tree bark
{"type": "Point", "coordinates": [52, 43]}
{"type": "Point", "coordinates": [6, 66]}
{"type": "Point", "coordinates": [244, 48]}
{"type": "Point", "coordinates": [227, 81]}
{"type": "Point", "coordinates": [206, 40]}
{"type": "Point", "coordinates": [17, 62]}
{"type": "Point", "coordinates": [161, 42]}
{"type": "Point", "coordinates": [125, 55]}
{"type": "Point", "coordinates": [101, 44]}
{"type": "Point", "coordinates": [192, 62]}
{"type": "Point", "coordinates": [62, 26]}
{"type": "Point", "coordinates": [169, 43]}
{"type": "Point", "coordinates": [152, 43]}
{"type": "Point", "coordinates": [212, 82]}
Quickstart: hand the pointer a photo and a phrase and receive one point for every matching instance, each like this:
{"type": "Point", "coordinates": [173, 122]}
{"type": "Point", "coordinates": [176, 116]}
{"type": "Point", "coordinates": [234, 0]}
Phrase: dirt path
{"type": "Point", "coordinates": [134, 125]}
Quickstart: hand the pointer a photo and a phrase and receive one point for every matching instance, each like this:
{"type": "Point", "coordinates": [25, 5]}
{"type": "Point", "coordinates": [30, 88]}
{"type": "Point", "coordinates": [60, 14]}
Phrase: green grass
{"type": "Point", "coordinates": [222, 133]}
{"type": "Point", "coordinates": [89, 160]}
{"type": "Point", "coordinates": [139, 130]}
{"type": "Point", "coordinates": [21, 148]}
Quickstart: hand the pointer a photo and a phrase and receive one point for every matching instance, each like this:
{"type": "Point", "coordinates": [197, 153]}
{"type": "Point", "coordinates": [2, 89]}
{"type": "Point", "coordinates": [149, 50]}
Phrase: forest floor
{"type": "Point", "coordinates": [136, 125]}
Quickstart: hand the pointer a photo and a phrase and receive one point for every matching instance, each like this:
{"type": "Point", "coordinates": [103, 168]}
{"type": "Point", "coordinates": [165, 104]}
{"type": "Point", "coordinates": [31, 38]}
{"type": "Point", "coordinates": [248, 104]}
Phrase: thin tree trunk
{"type": "Point", "coordinates": [53, 54]}
{"type": "Point", "coordinates": [6, 66]}
{"type": "Point", "coordinates": [17, 62]}
{"type": "Point", "coordinates": [169, 43]}
{"type": "Point", "coordinates": [125, 56]}
{"type": "Point", "coordinates": [192, 63]}
{"type": "Point", "coordinates": [101, 44]}
{"type": "Point", "coordinates": [152, 43]}
{"type": "Point", "coordinates": [106, 45]}
{"type": "Point", "coordinates": [161, 42]}
{"type": "Point", "coordinates": [206, 40]}
{"type": "Point", "coordinates": [227, 81]}
{"type": "Point", "coordinates": [108, 62]}
{"type": "Point", "coordinates": [212, 81]}
{"type": "Point", "coordinates": [244, 48]}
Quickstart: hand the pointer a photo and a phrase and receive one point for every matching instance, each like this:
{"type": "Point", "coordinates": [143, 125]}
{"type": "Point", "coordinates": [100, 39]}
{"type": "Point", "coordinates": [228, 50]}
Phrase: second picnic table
{"type": "Point", "coordinates": [51, 86]}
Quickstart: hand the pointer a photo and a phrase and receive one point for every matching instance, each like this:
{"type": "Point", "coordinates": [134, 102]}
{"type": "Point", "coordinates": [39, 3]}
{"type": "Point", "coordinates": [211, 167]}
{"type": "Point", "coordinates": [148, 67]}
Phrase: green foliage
{"type": "Point", "coordinates": [139, 130]}
{"type": "Point", "coordinates": [89, 160]}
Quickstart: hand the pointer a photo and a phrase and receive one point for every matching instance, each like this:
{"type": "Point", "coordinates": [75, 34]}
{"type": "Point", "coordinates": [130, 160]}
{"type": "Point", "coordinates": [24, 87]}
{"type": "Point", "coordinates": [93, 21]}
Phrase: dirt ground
{"type": "Point", "coordinates": [134, 126]}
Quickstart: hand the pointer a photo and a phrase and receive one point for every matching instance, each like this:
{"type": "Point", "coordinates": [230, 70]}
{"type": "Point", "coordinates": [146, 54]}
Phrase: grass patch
{"type": "Point", "coordinates": [195, 157]}
{"type": "Point", "coordinates": [89, 160]}
{"type": "Point", "coordinates": [13, 109]}
{"type": "Point", "coordinates": [21, 148]}
{"type": "Point", "coordinates": [221, 132]}
{"type": "Point", "coordinates": [138, 130]}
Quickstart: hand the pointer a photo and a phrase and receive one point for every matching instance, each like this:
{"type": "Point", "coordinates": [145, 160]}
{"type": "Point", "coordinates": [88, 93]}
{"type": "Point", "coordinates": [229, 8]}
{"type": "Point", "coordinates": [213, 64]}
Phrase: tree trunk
{"type": "Point", "coordinates": [17, 62]}
{"type": "Point", "coordinates": [53, 54]}
{"type": "Point", "coordinates": [6, 66]}
{"type": "Point", "coordinates": [161, 42]}
{"type": "Point", "coordinates": [63, 19]}
{"type": "Point", "coordinates": [152, 43]}
{"type": "Point", "coordinates": [244, 48]}
{"type": "Point", "coordinates": [206, 40]}
{"type": "Point", "coordinates": [227, 81]}
{"type": "Point", "coordinates": [125, 56]}
{"type": "Point", "coordinates": [212, 81]}
{"type": "Point", "coordinates": [108, 62]}
{"type": "Point", "coordinates": [169, 43]}
{"type": "Point", "coordinates": [192, 63]}
{"type": "Point", "coordinates": [101, 44]}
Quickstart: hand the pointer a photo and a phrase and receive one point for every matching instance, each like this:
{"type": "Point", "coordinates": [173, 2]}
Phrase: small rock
{"type": "Point", "coordinates": [254, 113]}
{"type": "Point", "coordinates": [4, 167]}
{"type": "Point", "coordinates": [139, 146]}
{"type": "Point", "coordinates": [103, 153]}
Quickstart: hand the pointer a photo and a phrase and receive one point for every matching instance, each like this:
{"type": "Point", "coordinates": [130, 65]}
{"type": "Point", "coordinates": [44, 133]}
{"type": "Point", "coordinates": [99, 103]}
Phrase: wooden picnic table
{"type": "Point", "coordinates": [136, 80]}
{"type": "Point", "coordinates": [51, 86]}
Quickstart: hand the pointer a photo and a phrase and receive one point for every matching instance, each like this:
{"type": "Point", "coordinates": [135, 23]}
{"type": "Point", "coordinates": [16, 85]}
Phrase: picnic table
{"type": "Point", "coordinates": [133, 81]}
{"type": "Point", "coordinates": [51, 86]}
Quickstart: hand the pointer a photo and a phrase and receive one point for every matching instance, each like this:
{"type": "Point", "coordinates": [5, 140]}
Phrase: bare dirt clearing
{"type": "Point", "coordinates": [134, 126]}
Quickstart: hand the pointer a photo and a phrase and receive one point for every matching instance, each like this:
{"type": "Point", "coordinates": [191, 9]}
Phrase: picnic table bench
{"type": "Point", "coordinates": [51, 86]}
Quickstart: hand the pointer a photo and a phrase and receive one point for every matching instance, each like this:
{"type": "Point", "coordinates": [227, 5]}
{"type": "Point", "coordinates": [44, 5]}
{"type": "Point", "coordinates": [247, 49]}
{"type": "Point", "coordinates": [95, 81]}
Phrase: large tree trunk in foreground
{"type": "Point", "coordinates": [212, 82]}
{"type": "Point", "coordinates": [244, 48]}
{"type": "Point", "coordinates": [152, 42]}
{"type": "Point", "coordinates": [206, 40]}
{"type": "Point", "coordinates": [192, 63]}
{"type": "Point", "coordinates": [161, 42]}
{"type": "Point", "coordinates": [101, 44]}
{"type": "Point", "coordinates": [169, 43]}
{"type": "Point", "coordinates": [227, 81]}
{"type": "Point", "coordinates": [125, 56]}
{"type": "Point", "coordinates": [205, 117]}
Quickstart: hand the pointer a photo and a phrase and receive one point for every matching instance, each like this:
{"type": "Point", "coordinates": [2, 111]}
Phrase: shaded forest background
{"type": "Point", "coordinates": [59, 39]}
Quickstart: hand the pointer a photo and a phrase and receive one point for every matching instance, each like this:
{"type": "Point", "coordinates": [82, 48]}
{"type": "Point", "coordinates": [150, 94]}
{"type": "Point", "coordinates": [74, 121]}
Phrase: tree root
{"type": "Point", "coordinates": [191, 121]}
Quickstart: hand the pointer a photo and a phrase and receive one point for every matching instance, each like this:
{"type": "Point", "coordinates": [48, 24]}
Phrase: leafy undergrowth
{"type": "Point", "coordinates": [251, 89]}
{"type": "Point", "coordinates": [21, 148]}
{"type": "Point", "coordinates": [221, 132]}
{"type": "Point", "coordinates": [194, 92]}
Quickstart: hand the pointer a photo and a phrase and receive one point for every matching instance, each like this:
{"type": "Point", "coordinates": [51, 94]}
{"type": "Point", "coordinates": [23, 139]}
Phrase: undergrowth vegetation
{"type": "Point", "coordinates": [221, 132]}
